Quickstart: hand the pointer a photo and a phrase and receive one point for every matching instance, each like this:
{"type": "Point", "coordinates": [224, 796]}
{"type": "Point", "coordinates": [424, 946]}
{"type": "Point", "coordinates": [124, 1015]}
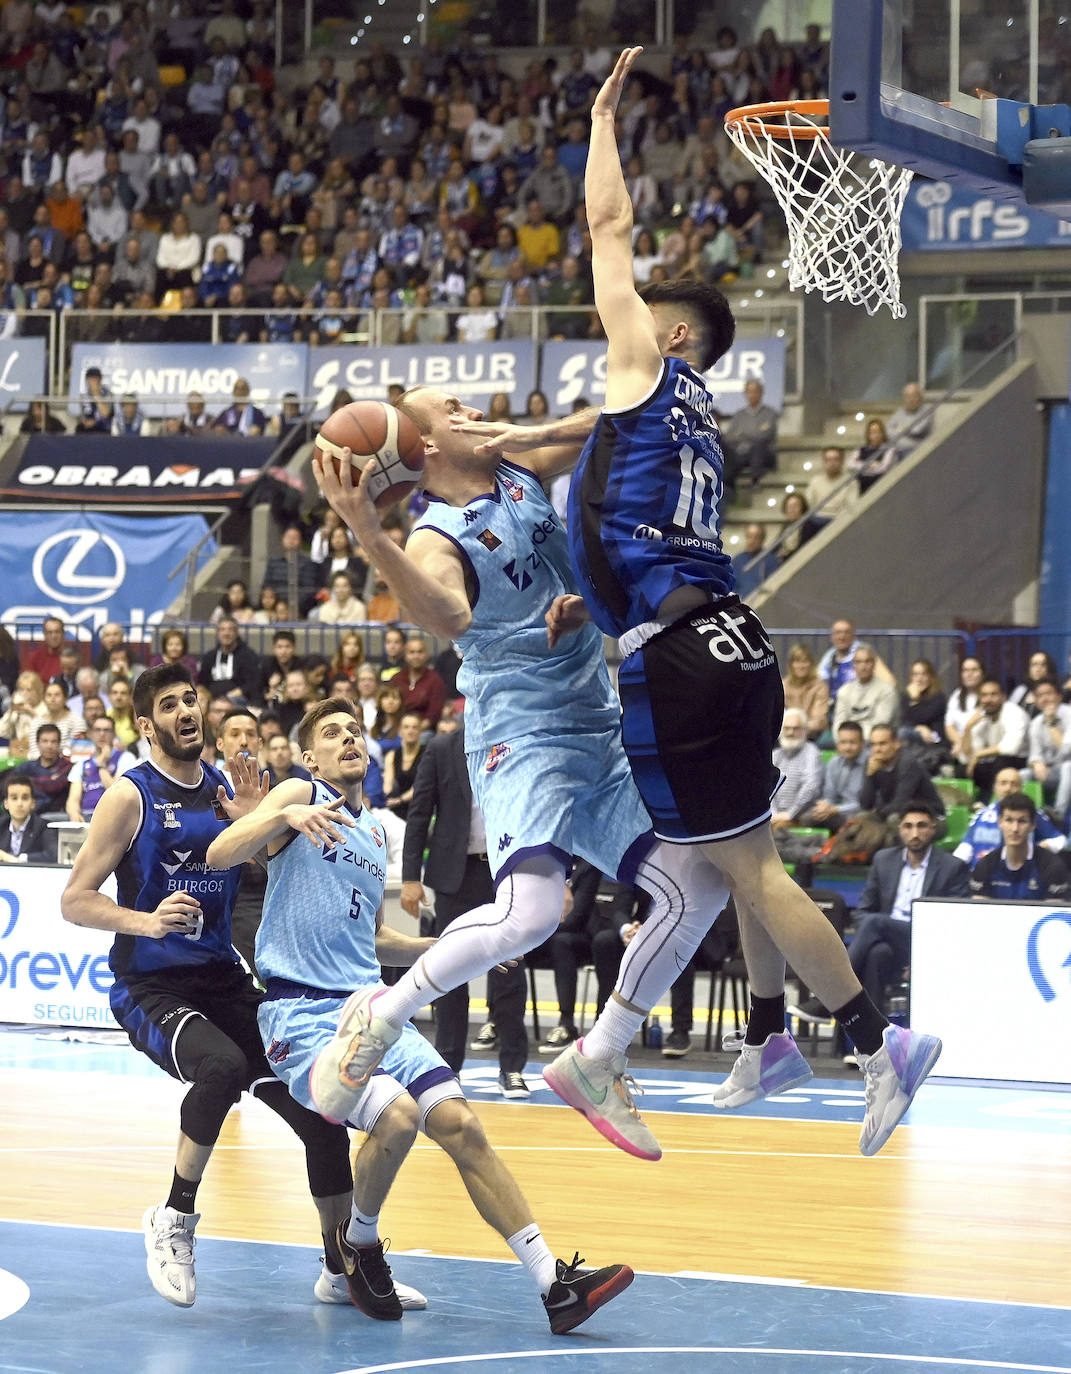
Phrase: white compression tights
{"type": "Point", "coordinates": [687, 893]}
{"type": "Point", "coordinates": [525, 912]}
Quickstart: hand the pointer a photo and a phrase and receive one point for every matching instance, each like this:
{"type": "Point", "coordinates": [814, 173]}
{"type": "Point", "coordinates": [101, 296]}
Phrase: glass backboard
{"type": "Point", "coordinates": [906, 77]}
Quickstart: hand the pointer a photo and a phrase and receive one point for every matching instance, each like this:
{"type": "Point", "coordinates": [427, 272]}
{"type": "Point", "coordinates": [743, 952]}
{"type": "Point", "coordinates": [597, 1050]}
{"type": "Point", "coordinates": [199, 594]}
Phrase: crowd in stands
{"type": "Point", "coordinates": [749, 444]}
{"type": "Point", "coordinates": [154, 158]}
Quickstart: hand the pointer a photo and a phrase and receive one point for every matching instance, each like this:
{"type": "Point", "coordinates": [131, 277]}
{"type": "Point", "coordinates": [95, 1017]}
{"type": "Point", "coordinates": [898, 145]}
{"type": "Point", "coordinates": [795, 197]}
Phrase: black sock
{"type": "Point", "coordinates": [862, 1023]}
{"type": "Point", "coordinates": [766, 1018]}
{"type": "Point", "coordinates": [331, 1255]}
{"type": "Point", "coordinates": [183, 1196]}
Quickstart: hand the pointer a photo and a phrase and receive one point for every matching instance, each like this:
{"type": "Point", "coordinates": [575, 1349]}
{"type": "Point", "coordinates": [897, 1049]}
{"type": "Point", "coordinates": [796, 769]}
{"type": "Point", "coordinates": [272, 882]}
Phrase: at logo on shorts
{"type": "Point", "coordinates": [495, 757]}
{"type": "Point", "coordinates": [278, 1050]}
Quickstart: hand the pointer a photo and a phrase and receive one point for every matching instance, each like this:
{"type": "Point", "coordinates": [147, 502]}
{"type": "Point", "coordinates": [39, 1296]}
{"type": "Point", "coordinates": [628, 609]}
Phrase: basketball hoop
{"type": "Point", "coordinates": [842, 208]}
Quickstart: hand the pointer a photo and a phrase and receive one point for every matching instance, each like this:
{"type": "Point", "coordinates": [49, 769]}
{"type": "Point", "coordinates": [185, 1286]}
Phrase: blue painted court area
{"type": "Point", "coordinates": [964, 1105]}
{"type": "Point", "coordinates": [256, 1311]}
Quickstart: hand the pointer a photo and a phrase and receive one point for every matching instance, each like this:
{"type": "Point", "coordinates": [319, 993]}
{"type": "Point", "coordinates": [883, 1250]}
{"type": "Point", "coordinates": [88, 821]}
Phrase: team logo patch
{"type": "Point", "coordinates": [278, 1050]}
{"type": "Point", "coordinates": [646, 532]}
{"type": "Point", "coordinates": [515, 490]}
{"type": "Point", "coordinates": [471, 516]}
{"type": "Point", "coordinates": [495, 757]}
{"type": "Point", "coordinates": [377, 835]}
{"type": "Point", "coordinates": [489, 540]}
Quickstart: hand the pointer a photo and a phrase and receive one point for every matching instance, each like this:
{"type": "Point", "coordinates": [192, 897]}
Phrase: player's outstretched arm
{"type": "Point", "coordinates": [549, 449]}
{"type": "Point", "coordinates": [116, 819]}
{"type": "Point", "coordinates": [426, 576]}
{"type": "Point", "coordinates": [633, 357]}
{"type": "Point", "coordinates": [285, 808]}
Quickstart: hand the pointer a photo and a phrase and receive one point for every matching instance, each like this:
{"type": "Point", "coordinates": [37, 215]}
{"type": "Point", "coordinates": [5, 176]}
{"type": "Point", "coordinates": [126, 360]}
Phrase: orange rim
{"type": "Point", "coordinates": [755, 117]}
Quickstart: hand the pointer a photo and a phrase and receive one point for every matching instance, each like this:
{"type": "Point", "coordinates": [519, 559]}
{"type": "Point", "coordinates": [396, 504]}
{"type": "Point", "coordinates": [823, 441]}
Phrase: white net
{"type": "Point", "coordinates": [842, 208]}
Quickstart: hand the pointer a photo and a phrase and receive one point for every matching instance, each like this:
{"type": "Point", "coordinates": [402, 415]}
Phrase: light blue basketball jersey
{"type": "Point", "coordinates": [319, 925]}
{"type": "Point", "coordinates": [516, 559]}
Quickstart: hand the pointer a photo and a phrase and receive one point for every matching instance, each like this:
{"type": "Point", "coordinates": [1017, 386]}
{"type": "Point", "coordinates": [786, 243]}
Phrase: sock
{"type": "Point", "coordinates": [333, 1266]}
{"type": "Point", "coordinates": [361, 1230]}
{"type": "Point", "coordinates": [531, 1249]}
{"type": "Point", "coordinates": [183, 1195]}
{"type": "Point", "coordinates": [766, 1018]}
{"type": "Point", "coordinates": [862, 1023]}
{"type": "Point", "coordinates": [613, 1032]}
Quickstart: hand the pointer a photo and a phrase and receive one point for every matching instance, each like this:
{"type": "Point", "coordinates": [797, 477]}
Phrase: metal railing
{"type": "Point", "coordinates": [1004, 651]}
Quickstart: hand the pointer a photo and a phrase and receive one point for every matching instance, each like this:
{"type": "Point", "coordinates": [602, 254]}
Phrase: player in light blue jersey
{"type": "Point", "coordinates": [320, 940]}
{"type": "Point", "coordinates": [702, 702]}
{"type": "Point", "coordinates": [485, 565]}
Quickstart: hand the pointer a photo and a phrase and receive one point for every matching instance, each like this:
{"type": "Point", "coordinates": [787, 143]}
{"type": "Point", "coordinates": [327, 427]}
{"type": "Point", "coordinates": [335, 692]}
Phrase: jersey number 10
{"type": "Point", "coordinates": [697, 505]}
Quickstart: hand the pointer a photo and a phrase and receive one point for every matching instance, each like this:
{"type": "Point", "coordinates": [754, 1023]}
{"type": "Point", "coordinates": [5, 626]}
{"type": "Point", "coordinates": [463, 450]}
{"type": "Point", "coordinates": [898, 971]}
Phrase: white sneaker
{"type": "Point", "coordinates": [333, 1288]}
{"type": "Point", "coordinates": [342, 1070]}
{"type": "Point", "coordinates": [601, 1090]}
{"type": "Point", "coordinates": [169, 1242]}
{"type": "Point", "coordinates": [892, 1076]}
{"type": "Point", "coordinates": [763, 1070]}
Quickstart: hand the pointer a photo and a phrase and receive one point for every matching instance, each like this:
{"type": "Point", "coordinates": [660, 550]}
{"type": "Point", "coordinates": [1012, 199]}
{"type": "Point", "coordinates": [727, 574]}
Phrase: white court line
{"type": "Point", "coordinates": [573, 1352]}
{"type": "Point", "coordinates": [770, 1282]}
{"type": "Point", "coordinates": [603, 1150]}
{"type": "Point", "coordinates": [1018, 1170]}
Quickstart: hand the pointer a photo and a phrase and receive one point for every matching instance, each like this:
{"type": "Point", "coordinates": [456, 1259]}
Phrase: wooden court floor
{"type": "Point", "coordinates": [943, 1211]}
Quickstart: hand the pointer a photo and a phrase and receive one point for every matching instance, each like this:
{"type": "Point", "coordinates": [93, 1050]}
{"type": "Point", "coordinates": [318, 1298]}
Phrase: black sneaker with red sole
{"type": "Point", "coordinates": [576, 1293]}
{"type": "Point", "coordinates": [368, 1278]}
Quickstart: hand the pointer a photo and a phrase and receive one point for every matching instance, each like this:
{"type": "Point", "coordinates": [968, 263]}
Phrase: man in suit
{"type": "Point", "coordinates": [24, 837]}
{"type": "Point", "coordinates": [458, 874]}
{"type": "Point", "coordinates": [881, 945]}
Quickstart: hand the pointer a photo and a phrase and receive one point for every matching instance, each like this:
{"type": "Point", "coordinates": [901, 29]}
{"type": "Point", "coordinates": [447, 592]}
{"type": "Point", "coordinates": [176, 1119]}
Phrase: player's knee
{"type": "Point", "coordinates": [455, 1128]}
{"type": "Point", "coordinates": [397, 1126]}
{"type": "Point", "coordinates": [223, 1073]}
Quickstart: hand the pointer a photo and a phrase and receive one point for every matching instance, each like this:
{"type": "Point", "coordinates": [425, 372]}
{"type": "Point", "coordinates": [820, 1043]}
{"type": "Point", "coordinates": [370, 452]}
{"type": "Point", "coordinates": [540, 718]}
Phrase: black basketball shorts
{"type": "Point", "coordinates": [702, 706]}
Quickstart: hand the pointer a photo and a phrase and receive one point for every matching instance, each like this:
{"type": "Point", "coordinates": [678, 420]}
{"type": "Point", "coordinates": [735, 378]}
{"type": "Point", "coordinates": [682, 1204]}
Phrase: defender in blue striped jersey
{"type": "Point", "coordinates": [180, 992]}
{"type": "Point", "coordinates": [318, 949]}
{"type": "Point", "coordinates": [701, 695]}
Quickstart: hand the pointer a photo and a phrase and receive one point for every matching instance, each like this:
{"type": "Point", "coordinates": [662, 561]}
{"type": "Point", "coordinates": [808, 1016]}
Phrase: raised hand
{"type": "Point", "coordinates": [250, 787]}
{"type": "Point", "coordinates": [608, 99]}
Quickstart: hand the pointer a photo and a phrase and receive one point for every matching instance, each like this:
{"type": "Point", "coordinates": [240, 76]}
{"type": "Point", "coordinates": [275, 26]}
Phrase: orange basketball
{"type": "Point", "coordinates": [374, 429]}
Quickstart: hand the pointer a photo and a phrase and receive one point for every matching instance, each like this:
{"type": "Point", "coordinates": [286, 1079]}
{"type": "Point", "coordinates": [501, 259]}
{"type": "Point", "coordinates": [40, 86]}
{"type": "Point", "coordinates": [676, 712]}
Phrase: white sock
{"type": "Point", "coordinates": [531, 1249]}
{"type": "Point", "coordinates": [613, 1032]}
{"type": "Point", "coordinates": [362, 1230]}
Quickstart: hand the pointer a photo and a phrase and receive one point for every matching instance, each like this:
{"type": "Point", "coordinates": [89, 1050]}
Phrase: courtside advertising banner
{"type": "Point", "coordinates": [958, 950]}
{"type": "Point", "coordinates": [22, 372]}
{"type": "Point", "coordinates": [572, 372]}
{"type": "Point", "coordinates": [472, 372]}
{"type": "Point", "coordinates": [51, 973]}
{"type": "Point", "coordinates": [164, 470]}
{"type": "Point", "coordinates": [89, 569]}
{"type": "Point", "coordinates": [162, 376]}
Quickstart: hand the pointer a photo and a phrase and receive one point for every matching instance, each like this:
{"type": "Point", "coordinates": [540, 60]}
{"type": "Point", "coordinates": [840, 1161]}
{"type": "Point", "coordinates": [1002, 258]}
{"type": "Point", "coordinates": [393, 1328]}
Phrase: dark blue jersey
{"type": "Point", "coordinates": [643, 504]}
{"type": "Point", "coordinates": [167, 854]}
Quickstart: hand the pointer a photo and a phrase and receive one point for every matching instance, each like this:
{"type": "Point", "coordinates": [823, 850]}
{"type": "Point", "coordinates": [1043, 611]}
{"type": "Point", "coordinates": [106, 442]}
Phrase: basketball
{"type": "Point", "coordinates": [374, 429]}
